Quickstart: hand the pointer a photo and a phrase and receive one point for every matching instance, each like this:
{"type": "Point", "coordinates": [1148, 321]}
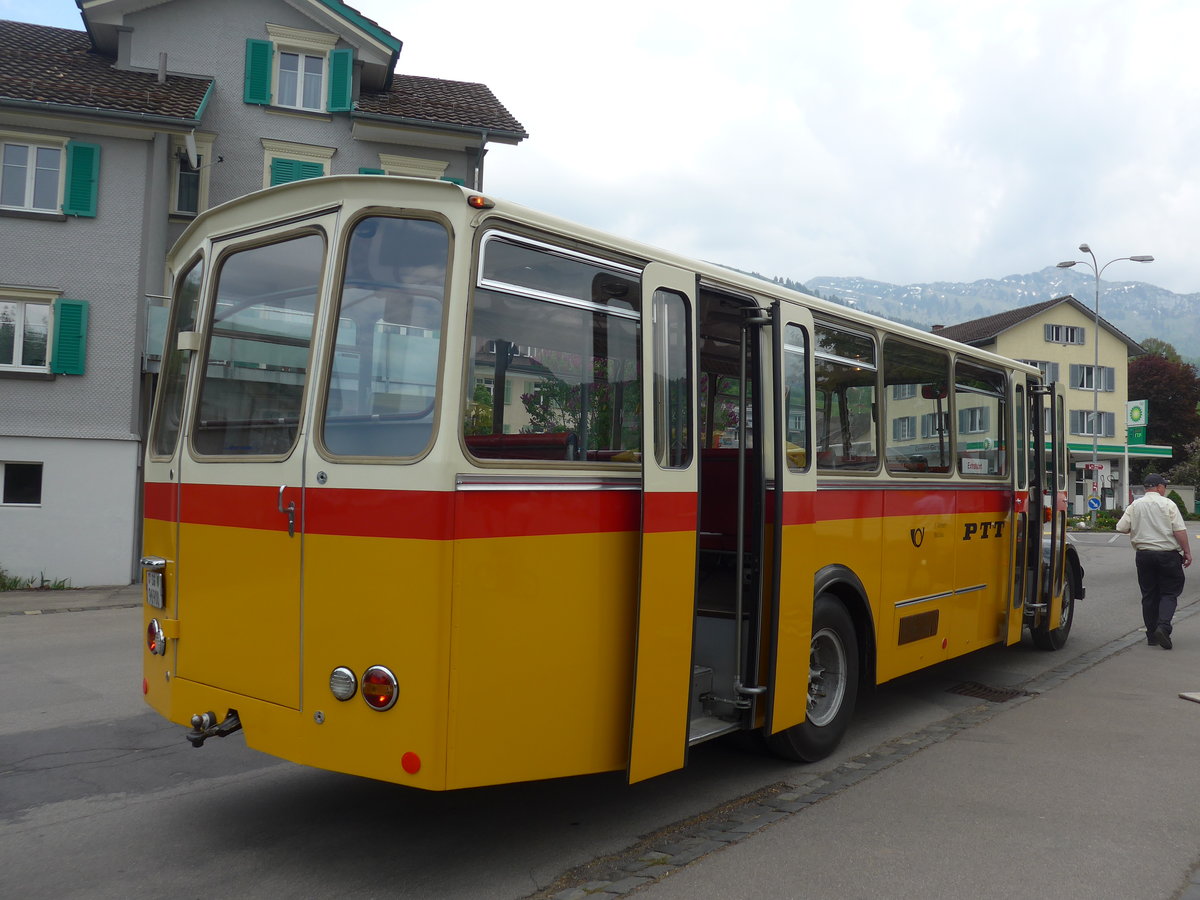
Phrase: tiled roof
{"type": "Point", "coordinates": [989, 327]}
{"type": "Point", "coordinates": [984, 331]}
{"type": "Point", "coordinates": [437, 101]}
{"type": "Point", "coordinates": [55, 66]}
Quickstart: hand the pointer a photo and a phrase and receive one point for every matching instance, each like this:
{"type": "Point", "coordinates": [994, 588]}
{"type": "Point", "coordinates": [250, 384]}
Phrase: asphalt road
{"type": "Point", "coordinates": [101, 798]}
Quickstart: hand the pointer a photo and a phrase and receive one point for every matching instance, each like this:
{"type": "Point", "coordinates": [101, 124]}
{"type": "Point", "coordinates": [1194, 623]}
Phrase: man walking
{"type": "Point", "coordinates": [1156, 530]}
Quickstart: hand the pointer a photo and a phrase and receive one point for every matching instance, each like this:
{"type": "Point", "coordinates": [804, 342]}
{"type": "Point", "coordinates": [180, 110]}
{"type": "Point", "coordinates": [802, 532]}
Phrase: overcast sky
{"type": "Point", "coordinates": [902, 141]}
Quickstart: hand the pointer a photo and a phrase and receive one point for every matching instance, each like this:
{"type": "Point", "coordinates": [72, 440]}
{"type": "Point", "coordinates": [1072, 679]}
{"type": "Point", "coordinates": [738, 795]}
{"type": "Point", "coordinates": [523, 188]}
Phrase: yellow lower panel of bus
{"type": "Point", "coordinates": [542, 656]}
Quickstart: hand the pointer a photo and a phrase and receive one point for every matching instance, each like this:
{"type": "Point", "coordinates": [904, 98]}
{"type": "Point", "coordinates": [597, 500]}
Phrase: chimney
{"type": "Point", "coordinates": [162, 68]}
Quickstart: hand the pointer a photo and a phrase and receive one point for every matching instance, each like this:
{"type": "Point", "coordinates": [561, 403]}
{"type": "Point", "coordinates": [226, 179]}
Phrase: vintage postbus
{"type": "Point", "coordinates": [446, 492]}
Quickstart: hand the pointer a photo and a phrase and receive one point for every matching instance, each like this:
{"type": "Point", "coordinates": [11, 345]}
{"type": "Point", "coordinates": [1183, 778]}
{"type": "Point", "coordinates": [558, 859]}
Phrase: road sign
{"type": "Point", "coordinates": [1093, 503]}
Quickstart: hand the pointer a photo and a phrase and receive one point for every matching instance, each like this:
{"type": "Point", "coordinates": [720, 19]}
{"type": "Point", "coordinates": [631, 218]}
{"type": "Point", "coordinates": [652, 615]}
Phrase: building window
{"type": "Point", "coordinates": [904, 428]}
{"type": "Point", "coordinates": [973, 420]}
{"type": "Point", "coordinates": [1089, 378]}
{"type": "Point", "coordinates": [1083, 422]}
{"type": "Point", "coordinates": [904, 391]}
{"type": "Point", "coordinates": [24, 335]}
{"type": "Point", "coordinates": [1063, 334]}
{"type": "Point", "coordinates": [41, 333]}
{"type": "Point", "coordinates": [21, 483]}
{"type": "Point", "coordinates": [30, 176]}
{"type": "Point", "coordinates": [285, 162]}
{"type": "Point", "coordinates": [1048, 369]}
{"type": "Point", "coordinates": [189, 195]}
{"type": "Point", "coordinates": [299, 69]}
{"type": "Point", "coordinates": [45, 174]}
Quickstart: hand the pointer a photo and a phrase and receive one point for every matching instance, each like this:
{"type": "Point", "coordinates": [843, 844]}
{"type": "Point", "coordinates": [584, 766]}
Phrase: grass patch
{"type": "Point", "coordinates": [40, 583]}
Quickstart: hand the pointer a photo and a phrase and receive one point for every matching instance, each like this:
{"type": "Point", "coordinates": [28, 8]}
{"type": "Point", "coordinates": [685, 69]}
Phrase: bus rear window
{"type": "Point", "coordinates": [257, 360]}
{"type": "Point", "coordinates": [383, 383]}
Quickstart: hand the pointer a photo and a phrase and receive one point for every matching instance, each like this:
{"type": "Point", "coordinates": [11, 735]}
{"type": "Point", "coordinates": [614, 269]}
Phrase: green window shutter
{"type": "Point", "coordinates": [341, 80]}
{"type": "Point", "coordinates": [259, 55]}
{"type": "Point", "coordinates": [70, 336]}
{"type": "Point", "coordinates": [365, 171]}
{"type": "Point", "coordinates": [285, 170]}
{"type": "Point", "coordinates": [454, 180]}
{"type": "Point", "coordinates": [83, 179]}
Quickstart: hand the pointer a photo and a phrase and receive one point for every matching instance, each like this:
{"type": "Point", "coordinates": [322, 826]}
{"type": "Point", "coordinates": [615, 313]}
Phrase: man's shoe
{"type": "Point", "coordinates": [1151, 641]}
{"type": "Point", "coordinates": [1162, 638]}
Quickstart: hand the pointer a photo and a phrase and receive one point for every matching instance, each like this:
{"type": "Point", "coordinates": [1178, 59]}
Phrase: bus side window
{"type": "Point", "coordinates": [553, 358]}
{"type": "Point", "coordinates": [846, 409]}
{"type": "Point", "coordinates": [917, 408]}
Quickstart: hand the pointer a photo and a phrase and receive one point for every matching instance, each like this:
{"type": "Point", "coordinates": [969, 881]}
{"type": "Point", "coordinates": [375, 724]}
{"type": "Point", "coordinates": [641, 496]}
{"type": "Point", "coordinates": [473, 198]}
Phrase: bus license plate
{"type": "Point", "coordinates": [154, 591]}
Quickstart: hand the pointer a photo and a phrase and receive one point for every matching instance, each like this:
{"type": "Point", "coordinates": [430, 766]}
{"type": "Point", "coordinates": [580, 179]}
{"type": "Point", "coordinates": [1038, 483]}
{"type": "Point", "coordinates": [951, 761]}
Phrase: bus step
{"type": "Point", "coordinates": [708, 727]}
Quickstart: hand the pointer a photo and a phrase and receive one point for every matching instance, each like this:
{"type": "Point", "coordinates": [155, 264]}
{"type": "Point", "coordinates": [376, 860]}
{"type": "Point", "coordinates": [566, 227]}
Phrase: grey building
{"type": "Point", "coordinates": [112, 139]}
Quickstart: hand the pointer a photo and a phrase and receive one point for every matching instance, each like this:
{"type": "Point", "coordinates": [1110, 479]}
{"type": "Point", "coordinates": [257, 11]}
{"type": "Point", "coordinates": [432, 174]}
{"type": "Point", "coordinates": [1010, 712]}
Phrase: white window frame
{"type": "Point", "coordinates": [929, 424]}
{"type": "Point", "coordinates": [16, 462]}
{"type": "Point", "coordinates": [301, 43]}
{"type": "Point", "coordinates": [413, 166]}
{"type": "Point", "coordinates": [204, 145]}
{"type": "Point", "coordinates": [1064, 334]}
{"type": "Point", "coordinates": [905, 428]}
{"type": "Point", "coordinates": [973, 419]}
{"type": "Point", "coordinates": [273, 150]}
{"type": "Point", "coordinates": [1048, 368]}
{"type": "Point", "coordinates": [34, 142]}
{"type": "Point", "coordinates": [1084, 418]}
{"type": "Point", "coordinates": [23, 299]}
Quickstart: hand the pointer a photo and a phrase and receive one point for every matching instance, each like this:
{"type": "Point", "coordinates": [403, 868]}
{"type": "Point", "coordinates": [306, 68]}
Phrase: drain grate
{"type": "Point", "coordinates": [985, 692]}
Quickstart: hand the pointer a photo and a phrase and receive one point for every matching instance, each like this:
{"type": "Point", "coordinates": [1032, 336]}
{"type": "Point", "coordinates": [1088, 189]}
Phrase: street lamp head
{"type": "Point", "coordinates": [1084, 248]}
{"type": "Point", "coordinates": [1142, 258]}
{"type": "Point", "coordinates": [1066, 264]}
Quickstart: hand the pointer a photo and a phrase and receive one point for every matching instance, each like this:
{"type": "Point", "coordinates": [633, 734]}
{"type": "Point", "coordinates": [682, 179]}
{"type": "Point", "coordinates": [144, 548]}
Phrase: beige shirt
{"type": "Point", "coordinates": [1151, 522]}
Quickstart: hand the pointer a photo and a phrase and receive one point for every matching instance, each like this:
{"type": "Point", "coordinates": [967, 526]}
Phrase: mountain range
{"type": "Point", "coordinates": [1138, 309]}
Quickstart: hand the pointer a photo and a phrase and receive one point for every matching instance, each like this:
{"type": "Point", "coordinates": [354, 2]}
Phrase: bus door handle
{"type": "Point", "coordinates": [290, 512]}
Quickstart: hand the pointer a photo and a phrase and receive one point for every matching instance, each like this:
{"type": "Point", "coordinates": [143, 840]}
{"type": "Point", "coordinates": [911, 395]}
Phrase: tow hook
{"type": "Point", "coordinates": [204, 726]}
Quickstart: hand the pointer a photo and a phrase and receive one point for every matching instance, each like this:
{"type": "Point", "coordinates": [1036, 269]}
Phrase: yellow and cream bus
{"type": "Point", "coordinates": [446, 492]}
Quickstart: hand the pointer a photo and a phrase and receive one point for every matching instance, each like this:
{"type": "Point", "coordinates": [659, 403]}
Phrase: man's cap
{"type": "Point", "coordinates": [1154, 480]}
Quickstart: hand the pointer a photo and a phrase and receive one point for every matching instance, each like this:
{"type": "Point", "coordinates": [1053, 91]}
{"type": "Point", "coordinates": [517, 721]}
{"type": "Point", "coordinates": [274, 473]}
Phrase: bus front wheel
{"type": "Point", "coordinates": [832, 686]}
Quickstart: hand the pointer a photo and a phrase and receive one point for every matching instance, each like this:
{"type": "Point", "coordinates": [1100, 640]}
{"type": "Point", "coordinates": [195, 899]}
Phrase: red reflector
{"type": "Point", "coordinates": [411, 763]}
{"type": "Point", "coordinates": [379, 688]}
{"type": "Point", "coordinates": [145, 686]}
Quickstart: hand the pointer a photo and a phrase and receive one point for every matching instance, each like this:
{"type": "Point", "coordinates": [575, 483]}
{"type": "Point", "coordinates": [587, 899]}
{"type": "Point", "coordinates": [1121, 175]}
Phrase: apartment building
{"type": "Point", "coordinates": [112, 138]}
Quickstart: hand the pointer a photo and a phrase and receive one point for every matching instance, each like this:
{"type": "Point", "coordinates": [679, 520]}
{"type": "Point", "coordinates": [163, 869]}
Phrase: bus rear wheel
{"type": "Point", "coordinates": [832, 686]}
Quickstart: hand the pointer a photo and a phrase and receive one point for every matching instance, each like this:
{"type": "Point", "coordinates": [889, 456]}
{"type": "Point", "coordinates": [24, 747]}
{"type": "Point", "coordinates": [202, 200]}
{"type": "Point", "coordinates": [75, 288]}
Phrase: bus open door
{"type": "Point", "coordinates": [667, 577]}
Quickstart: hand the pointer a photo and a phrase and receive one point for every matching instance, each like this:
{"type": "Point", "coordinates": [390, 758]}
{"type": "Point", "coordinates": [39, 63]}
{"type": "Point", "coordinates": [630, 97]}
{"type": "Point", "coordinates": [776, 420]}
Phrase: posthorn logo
{"type": "Point", "coordinates": [917, 536]}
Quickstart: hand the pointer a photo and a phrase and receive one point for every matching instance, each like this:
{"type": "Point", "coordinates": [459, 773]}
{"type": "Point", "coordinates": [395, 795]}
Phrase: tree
{"type": "Point", "coordinates": [1187, 469]}
{"type": "Point", "coordinates": [1173, 390]}
{"type": "Point", "coordinates": [1161, 348]}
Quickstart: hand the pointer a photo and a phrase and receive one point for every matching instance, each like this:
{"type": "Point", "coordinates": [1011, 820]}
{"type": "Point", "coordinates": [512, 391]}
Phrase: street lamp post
{"type": "Point", "coordinates": [1097, 270]}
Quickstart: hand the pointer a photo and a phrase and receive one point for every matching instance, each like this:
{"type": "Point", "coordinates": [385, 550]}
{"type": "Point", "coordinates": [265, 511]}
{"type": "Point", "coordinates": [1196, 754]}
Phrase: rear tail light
{"type": "Point", "coordinates": [379, 688]}
{"type": "Point", "coordinates": [156, 641]}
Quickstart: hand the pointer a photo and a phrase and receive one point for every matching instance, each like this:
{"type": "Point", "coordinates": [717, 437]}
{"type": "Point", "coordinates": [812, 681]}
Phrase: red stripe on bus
{"type": "Point", "coordinates": [160, 501]}
{"type": "Point", "coordinates": [666, 511]}
{"type": "Point", "coordinates": [486, 514]}
{"type": "Point", "coordinates": [419, 515]}
{"type": "Point", "coordinates": [237, 506]}
{"type": "Point", "coordinates": [432, 515]}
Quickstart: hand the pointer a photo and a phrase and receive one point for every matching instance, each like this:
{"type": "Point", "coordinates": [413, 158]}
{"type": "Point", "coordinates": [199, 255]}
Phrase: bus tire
{"type": "Point", "coordinates": [1054, 639]}
{"type": "Point", "coordinates": [832, 686]}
